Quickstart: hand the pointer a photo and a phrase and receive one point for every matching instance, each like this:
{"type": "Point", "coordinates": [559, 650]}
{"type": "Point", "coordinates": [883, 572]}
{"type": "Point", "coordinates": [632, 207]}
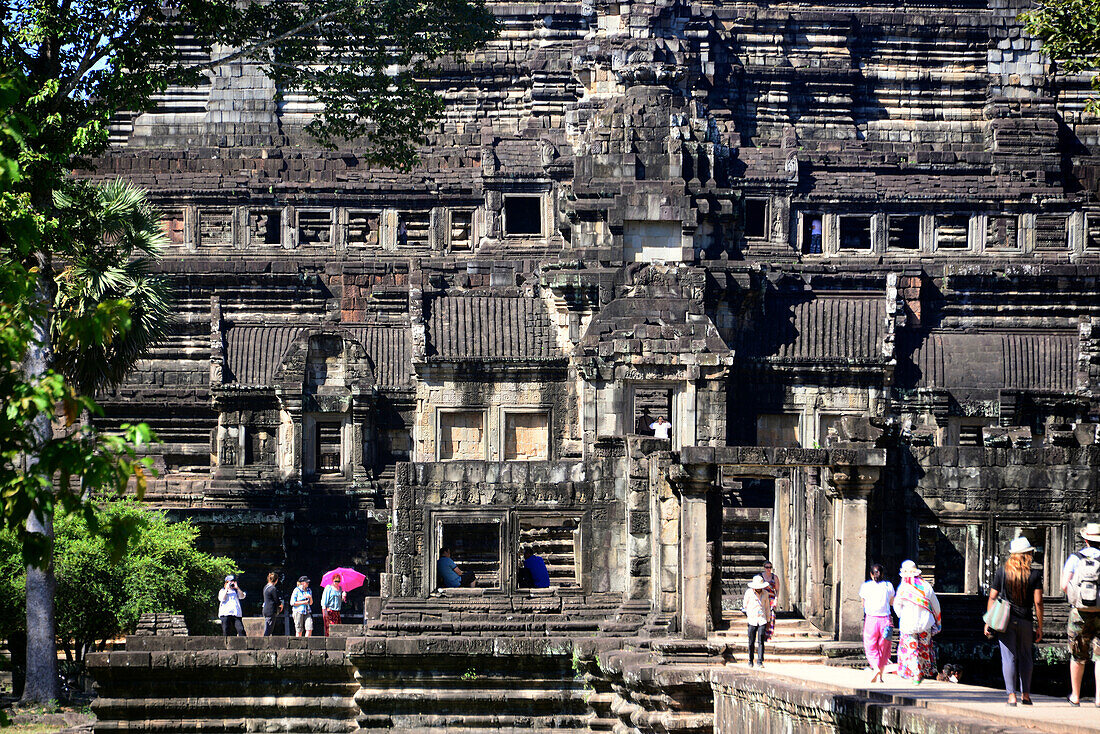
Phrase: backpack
{"type": "Point", "coordinates": [1084, 583]}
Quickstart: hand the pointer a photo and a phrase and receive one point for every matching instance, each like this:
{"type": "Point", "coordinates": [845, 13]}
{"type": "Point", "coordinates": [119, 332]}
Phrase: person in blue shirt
{"type": "Point", "coordinates": [536, 566]}
{"type": "Point", "coordinates": [450, 575]}
{"type": "Point", "coordinates": [301, 602]}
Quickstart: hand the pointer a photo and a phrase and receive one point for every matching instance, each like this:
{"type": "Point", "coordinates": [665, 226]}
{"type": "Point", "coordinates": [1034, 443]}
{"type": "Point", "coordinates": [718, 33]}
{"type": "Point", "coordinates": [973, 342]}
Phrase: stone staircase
{"type": "Point", "coordinates": [795, 641]}
{"type": "Point", "coordinates": [744, 550]}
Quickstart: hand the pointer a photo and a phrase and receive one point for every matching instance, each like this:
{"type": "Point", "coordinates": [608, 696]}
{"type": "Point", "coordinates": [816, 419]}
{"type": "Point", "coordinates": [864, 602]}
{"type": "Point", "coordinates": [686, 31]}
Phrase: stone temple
{"type": "Point", "coordinates": [850, 251]}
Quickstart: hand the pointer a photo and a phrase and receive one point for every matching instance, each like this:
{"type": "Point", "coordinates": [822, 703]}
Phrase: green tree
{"type": "Point", "coordinates": [1070, 32]}
{"type": "Point", "coordinates": [367, 62]}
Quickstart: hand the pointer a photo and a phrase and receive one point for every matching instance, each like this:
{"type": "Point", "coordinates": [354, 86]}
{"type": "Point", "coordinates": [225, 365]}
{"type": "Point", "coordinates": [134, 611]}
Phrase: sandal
{"type": "Point", "coordinates": [1026, 702]}
{"type": "Point", "coordinates": [1072, 702]}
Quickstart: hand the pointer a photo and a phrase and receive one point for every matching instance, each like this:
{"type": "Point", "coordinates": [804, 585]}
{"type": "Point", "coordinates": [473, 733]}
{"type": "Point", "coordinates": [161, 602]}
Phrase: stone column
{"type": "Point", "coordinates": [854, 474]}
{"type": "Point", "coordinates": [693, 481]}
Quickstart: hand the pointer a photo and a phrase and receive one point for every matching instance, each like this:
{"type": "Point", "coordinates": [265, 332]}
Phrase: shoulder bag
{"type": "Point", "coordinates": [997, 615]}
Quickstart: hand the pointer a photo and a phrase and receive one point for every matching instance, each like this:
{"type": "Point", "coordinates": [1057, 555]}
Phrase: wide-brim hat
{"type": "Point", "coordinates": [758, 582]}
{"type": "Point", "coordinates": [909, 569]}
{"type": "Point", "coordinates": [1020, 545]}
{"type": "Point", "coordinates": [1091, 532]}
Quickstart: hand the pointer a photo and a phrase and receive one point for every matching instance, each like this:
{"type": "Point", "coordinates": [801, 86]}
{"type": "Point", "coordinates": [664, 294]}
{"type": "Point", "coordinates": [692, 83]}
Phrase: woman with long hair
{"type": "Point", "coordinates": [1022, 586]}
{"type": "Point", "coordinates": [877, 594]}
{"type": "Point", "coordinates": [918, 612]}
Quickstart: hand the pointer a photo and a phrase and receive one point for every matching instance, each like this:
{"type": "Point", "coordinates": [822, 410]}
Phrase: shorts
{"type": "Point", "coordinates": [303, 623]}
{"type": "Point", "coordinates": [1083, 629]}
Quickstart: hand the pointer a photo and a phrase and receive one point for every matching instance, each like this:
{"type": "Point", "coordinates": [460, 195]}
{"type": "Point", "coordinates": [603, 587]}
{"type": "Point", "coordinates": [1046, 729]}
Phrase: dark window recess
{"type": "Point", "coordinates": [362, 228]}
{"type": "Point", "coordinates": [314, 228]}
{"type": "Point", "coordinates": [523, 215]}
{"type": "Point", "coordinates": [1050, 232]}
{"type": "Point", "coordinates": [414, 230]}
{"type": "Point", "coordinates": [951, 232]}
{"type": "Point", "coordinates": [756, 219]}
{"type": "Point", "coordinates": [1092, 231]}
{"type": "Point", "coordinates": [267, 227]}
{"type": "Point", "coordinates": [475, 546]}
{"type": "Point", "coordinates": [941, 556]}
{"type": "Point", "coordinates": [328, 448]}
{"type": "Point", "coordinates": [650, 403]}
{"type": "Point", "coordinates": [1001, 231]}
{"type": "Point", "coordinates": [970, 435]}
{"type": "Point", "coordinates": [811, 233]}
{"type": "Point", "coordinates": [903, 233]}
{"type": "Point", "coordinates": [855, 233]}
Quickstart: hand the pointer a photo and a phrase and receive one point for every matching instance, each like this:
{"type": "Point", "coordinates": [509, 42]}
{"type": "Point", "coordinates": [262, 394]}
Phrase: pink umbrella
{"type": "Point", "coordinates": [349, 578]}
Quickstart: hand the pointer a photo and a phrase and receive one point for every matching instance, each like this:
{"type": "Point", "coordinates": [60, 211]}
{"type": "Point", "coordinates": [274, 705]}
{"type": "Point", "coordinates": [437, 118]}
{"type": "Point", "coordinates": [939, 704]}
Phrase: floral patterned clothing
{"type": "Point", "coordinates": [916, 658]}
{"type": "Point", "coordinates": [773, 591]}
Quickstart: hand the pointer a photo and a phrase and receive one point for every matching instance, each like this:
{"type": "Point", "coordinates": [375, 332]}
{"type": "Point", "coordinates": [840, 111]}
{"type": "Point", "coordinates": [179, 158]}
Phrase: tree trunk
{"type": "Point", "coordinates": [41, 685]}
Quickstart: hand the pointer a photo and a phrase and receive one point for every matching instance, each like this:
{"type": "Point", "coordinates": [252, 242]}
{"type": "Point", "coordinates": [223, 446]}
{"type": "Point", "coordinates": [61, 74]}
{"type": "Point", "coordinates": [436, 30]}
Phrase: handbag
{"type": "Point", "coordinates": [997, 615]}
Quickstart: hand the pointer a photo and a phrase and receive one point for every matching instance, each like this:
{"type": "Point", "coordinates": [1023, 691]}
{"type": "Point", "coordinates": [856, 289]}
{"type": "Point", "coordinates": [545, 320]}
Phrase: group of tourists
{"type": "Point", "coordinates": [231, 595]}
{"type": "Point", "coordinates": [532, 572]}
{"type": "Point", "coordinates": [1014, 617]}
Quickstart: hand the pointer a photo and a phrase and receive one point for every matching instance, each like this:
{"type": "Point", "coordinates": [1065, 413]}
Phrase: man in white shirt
{"type": "Point", "coordinates": [1083, 627]}
{"type": "Point", "coordinates": [229, 607]}
{"type": "Point", "coordinates": [661, 428]}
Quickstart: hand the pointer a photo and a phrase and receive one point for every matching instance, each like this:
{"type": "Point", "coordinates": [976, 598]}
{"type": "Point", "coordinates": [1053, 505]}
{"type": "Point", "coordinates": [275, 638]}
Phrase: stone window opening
{"type": "Point", "coordinates": [1002, 231]}
{"type": "Point", "coordinates": [460, 235]}
{"type": "Point", "coordinates": [475, 546]}
{"type": "Point", "coordinates": [650, 403]}
{"type": "Point", "coordinates": [414, 230]}
{"type": "Point", "coordinates": [523, 215]}
{"type": "Point", "coordinates": [778, 429]}
{"type": "Point", "coordinates": [1092, 231]}
{"type": "Point", "coordinates": [952, 232]}
{"type": "Point", "coordinates": [756, 219]}
{"type": "Point", "coordinates": [259, 446]}
{"type": "Point", "coordinates": [967, 431]}
{"type": "Point", "coordinates": [949, 557]}
{"type": "Point", "coordinates": [812, 232]}
{"type": "Point", "coordinates": [363, 228]}
{"type": "Point", "coordinates": [328, 455]}
{"type": "Point", "coordinates": [315, 228]}
{"type": "Point", "coordinates": [1051, 232]}
{"type": "Point", "coordinates": [557, 541]}
{"type": "Point", "coordinates": [855, 233]}
{"type": "Point", "coordinates": [266, 226]}
{"type": "Point", "coordinates": [526, 436]}
{"type": "Point", "coordinates": [1050, 550]}
{"type": "Point", "coordinates": [461, 435]}
{"type": "Point", "coordinates": [174, 225]}
{"type": "Point", "coordinates": [903, 232]}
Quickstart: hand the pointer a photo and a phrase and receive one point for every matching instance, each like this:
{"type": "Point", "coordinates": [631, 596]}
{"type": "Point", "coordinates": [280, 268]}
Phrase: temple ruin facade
{"type": "Point", "coordinates": [850, 251]}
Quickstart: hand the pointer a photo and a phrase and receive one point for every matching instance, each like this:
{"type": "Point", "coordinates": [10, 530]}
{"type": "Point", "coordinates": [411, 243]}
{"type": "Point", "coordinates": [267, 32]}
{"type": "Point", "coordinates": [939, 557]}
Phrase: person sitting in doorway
{"type": "Point", "coordinates": [534, 575]}
{"type": "Point", "coordinates": [661, 428]}
{"type": "Point", "coordinates": [450, 575]}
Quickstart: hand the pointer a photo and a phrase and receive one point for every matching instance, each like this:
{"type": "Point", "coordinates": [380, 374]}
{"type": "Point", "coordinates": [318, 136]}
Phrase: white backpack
{"type": "Point", "coordinates": [1084, 584]}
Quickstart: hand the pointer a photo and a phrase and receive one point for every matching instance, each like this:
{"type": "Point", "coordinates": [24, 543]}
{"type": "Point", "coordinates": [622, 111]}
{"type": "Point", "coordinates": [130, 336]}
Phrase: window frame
{"type": "Point", "coordinates": [540, 197]}
{"type": "Point", "coordinates": [450, 410]}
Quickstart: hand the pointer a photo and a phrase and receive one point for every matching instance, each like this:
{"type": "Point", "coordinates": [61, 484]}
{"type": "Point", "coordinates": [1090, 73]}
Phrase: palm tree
{"type": "Point", "coordinates": [113, 263]}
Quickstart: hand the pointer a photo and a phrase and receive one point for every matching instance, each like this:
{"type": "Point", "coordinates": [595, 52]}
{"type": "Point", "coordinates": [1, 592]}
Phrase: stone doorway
{"type": "Point", "coordinates": [744, 544]}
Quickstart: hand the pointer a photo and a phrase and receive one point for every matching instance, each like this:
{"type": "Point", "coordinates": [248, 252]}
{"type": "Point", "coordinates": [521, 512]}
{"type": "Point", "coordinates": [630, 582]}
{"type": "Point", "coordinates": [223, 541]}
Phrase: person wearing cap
{"type": "Point", "coordinates": [1083, 627]}
{"type": "Point", "coordinates": [301, 603]}
{"type": "Point", "coordinates": [876, 594]}
{"type": "Point", "coordinates": [1022, 586]}
{"type": "Point", "coordinates": [757, 608]}
{"type": "Point", "coordinates": [229, 607]}
{"type": "Point", "coordinates": [918, 612]}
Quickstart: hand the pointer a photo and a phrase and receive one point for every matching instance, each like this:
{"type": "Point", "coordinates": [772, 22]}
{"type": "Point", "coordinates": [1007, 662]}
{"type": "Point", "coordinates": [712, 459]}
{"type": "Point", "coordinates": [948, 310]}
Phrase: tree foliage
{"type": "Point", "coordinates": [1070, 32]}
{"type": "Point", "coordinates": [100, 596]}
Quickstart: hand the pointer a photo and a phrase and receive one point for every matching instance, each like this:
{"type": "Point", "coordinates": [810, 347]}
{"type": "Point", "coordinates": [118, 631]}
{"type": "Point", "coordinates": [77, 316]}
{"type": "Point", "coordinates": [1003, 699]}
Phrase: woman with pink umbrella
{"type": "Point", "coordinates": [337, 583]}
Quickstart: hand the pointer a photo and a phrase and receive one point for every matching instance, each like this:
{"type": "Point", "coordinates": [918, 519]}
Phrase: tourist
{"type": "Point", "coordinates": [272, 605]}
{"type": "Point", "coordinates": [301, 608]}
{"type": "Point", "coordinates": [769, 575]}
{"type": "Point", "coordinates": [661, 428]}
{"type": "Point", "coordinates": [450, 575]}
{"type": "Point", "coordinates": [756, 606]}
{"type": "Point", "coordinates": [1080, 576]}
{"type": "Point", "coordinates": [332, 601]}
{"type": "Point", "coordinates": [815, 236]}
{"type": "Point", "coordinates": [535, 566]}
{"type": "Point", "coordinates": [229, 607]}
{"type": "Point", "coordinates": [1022, 586]}
{"type": "Point", "coordinates": [877, 595]}
{"type": "Point", "coordinates": [918, 612]}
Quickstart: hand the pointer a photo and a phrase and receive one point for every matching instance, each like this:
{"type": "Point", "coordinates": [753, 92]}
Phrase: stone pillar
{"type": "Point", "coordinates": [854, 474]}
{"type": "Point", "coordinates": [693, 482]}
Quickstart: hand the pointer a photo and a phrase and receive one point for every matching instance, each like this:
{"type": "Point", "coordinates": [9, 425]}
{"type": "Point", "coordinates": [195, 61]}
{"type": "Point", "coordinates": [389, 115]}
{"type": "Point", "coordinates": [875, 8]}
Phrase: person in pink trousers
{"type": "Point", "coordinates": [877, 595]}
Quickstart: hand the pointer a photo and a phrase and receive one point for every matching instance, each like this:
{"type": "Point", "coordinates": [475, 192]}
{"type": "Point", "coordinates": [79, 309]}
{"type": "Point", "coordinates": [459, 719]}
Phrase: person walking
{"type": "Point", "coordinates": [1022, 586]}
{"type": "Point", "coordinates": [756, 606]}
{"type": "Point", "coordinates": [918, 612]}
{"type": "Point", "coordinates": [877, 595]}
{"type": "Point", "coordinates": [229, 607]}
{"type": "Point", "coordinates": [301, 607]}
{"type": "Point", "coordinates": [769, 575]}
{"type": "Point", "coordinates": [1080, 579]}
{"type": "Point", "coordinates": [272, 604]}
{"type": "Point", "coordinates": [332, 601]}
